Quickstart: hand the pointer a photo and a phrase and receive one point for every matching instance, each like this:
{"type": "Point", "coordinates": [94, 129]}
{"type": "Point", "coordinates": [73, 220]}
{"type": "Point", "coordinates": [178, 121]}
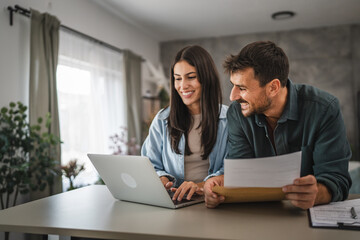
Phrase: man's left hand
{"type": "Point", "coordinates": [303, 192]}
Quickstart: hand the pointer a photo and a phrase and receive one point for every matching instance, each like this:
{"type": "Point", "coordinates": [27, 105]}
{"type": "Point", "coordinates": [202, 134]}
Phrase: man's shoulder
{"type": "Point", "coordinates": [308, 94]}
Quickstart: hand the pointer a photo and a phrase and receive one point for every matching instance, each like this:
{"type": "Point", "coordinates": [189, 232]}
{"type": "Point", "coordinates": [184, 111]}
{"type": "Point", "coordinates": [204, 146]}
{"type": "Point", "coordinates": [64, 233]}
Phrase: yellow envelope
{"type": "Point", "coordinates": [250, 194]}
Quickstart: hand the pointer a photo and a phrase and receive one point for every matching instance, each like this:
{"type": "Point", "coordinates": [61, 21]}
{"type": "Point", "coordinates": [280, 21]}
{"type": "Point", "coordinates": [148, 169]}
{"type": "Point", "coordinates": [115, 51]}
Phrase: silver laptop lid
{"type": "Point", "coordinates": [131, 178]}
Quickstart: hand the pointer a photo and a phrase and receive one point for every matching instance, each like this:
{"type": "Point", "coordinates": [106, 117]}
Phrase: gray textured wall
{"type": "Point", "coordinates": [328, 58]}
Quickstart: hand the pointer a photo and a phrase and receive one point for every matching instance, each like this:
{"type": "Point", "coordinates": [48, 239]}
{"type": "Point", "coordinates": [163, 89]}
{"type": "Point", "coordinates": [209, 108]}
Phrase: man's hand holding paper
{"type": "Point", "coordinates": [262, 179]}
{"type": "Point", "coordinates": [306, 192]}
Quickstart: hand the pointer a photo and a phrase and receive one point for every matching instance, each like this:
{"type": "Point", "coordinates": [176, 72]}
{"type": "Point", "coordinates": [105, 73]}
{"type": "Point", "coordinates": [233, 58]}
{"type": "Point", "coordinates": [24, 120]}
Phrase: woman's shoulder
{"type": "Point", "coordinates": [223, 111]}
{"type": "Point", "coordinates": [163, 114]}
{"type": "Point", "coordinates": [160, 119]}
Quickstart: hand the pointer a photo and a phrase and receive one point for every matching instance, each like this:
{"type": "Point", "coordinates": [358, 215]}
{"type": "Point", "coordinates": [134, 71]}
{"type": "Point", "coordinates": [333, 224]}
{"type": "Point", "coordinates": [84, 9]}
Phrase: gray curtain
{"type": "Point", "coordinates": [132, 68]}
{"type": "Point", "coordinates": [44, 46]}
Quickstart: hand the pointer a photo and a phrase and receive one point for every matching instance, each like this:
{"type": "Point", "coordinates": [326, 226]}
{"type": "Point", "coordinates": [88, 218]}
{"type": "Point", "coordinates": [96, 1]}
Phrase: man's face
{"type": "Point", "coordinates": [247, 91]}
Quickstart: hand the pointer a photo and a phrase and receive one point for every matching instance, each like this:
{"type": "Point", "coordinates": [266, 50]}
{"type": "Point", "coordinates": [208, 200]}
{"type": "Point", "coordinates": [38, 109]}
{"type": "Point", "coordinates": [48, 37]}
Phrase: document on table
{"type": "Point", "coordinates": [337, 215]}
{"type": "Point", "coordinates": [271, 172]}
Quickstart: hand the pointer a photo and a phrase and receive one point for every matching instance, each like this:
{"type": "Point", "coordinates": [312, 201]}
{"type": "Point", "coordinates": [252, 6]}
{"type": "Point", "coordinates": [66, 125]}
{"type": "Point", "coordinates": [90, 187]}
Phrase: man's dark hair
{"type": "Point", "coordinates": [268, 61]}
{"type": "Point", "coordinates": [179, 120]}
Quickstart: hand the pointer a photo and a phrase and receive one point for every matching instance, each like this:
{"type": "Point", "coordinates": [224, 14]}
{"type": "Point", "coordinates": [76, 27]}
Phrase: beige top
{"type": "Point", "coordinates": [196, 169]}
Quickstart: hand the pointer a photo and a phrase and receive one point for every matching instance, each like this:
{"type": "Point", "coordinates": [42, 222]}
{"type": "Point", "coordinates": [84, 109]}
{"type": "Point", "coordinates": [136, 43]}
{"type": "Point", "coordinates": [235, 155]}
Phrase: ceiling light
{"type": "Point", "coordinates": [282, 15]}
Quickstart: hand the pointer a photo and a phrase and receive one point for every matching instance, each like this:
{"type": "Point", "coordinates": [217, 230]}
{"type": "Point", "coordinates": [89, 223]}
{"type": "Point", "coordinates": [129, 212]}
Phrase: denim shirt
{"type": "Point", "coordinates": [311, 122]}
{"type": "Point", "coordinates": [157, 147]}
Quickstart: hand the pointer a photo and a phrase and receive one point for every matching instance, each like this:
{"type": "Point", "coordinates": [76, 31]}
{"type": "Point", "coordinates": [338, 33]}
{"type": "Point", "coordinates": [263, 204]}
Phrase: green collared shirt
{"type": "Point", "coordinates": [311, 122]}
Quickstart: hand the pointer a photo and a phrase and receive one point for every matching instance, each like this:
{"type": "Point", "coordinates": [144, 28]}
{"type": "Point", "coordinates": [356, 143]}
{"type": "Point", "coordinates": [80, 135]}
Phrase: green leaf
{"type": "Point", "coordinates": [4, 110]}
{"type": "Point", "coordinates": [4, 143]}
{"type": "Point", "coordinates": [48, 120]}
{"type": "Point", "coordinates": [23, 108]}
{"type": "Point", "coordinates": [26, 155]}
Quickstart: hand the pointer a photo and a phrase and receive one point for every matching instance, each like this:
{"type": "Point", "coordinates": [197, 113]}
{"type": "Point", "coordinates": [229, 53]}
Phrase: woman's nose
{"type": "Point", "coordinates": [184, 84]}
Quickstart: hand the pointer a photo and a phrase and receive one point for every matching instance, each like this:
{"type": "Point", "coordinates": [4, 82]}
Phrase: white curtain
{"type": "Point", "coordinates": [92, 100]}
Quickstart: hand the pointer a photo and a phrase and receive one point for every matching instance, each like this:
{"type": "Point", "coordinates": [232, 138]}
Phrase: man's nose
{"type": "Point", "coordinates": [235, 94]}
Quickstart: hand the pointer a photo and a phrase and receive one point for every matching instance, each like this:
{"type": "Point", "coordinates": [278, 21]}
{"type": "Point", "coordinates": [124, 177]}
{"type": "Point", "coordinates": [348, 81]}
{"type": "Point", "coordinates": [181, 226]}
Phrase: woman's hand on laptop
{"type": "Point", "coordinates": [188, 188]}
{"type": "Point", "coordinates": [167, 183]}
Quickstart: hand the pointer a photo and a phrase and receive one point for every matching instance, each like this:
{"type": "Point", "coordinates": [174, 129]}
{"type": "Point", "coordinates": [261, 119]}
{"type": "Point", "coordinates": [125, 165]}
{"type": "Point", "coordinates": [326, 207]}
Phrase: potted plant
{"type": "Point", "coordinates": [71, 171]}
{"type": "Point", "coordinates": [27, 156]}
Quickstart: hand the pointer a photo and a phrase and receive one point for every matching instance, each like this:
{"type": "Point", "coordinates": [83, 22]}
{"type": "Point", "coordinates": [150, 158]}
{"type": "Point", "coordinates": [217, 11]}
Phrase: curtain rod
{"type": "Point", "coordinates": [27, 13]}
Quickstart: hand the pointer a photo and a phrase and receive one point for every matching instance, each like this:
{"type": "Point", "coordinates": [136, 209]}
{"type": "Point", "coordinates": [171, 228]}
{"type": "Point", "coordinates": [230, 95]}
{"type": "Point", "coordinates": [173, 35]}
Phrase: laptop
{"type": "Point", "coordinates": [133, 179]}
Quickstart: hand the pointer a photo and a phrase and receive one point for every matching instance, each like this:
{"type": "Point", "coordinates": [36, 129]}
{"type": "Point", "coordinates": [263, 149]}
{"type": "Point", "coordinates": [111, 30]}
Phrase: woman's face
{"type": "Point", "coordinates": [188, 86]}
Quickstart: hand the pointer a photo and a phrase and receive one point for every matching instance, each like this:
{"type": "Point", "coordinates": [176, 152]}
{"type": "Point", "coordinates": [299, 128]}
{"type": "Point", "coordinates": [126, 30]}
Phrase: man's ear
{"type": "Point", "coordinates": [274, 87]}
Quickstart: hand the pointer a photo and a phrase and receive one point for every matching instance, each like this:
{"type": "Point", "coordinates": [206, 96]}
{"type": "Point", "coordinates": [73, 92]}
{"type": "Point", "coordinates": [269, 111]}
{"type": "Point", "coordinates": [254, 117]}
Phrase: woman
{"type": "Point", "coordinates": [187, 140]}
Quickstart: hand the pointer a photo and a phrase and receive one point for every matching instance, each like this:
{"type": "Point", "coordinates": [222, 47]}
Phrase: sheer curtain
{"type": "Point", "coordinates": [92, 100]}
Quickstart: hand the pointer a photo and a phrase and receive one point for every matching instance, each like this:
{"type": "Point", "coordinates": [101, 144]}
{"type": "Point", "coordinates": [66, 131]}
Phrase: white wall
{"type": "Point", "coordinates": [81, 15]}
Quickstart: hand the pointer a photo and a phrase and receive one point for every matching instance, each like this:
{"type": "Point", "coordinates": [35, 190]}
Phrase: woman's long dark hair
{"type": "Point", "coordinates": [179, 120]}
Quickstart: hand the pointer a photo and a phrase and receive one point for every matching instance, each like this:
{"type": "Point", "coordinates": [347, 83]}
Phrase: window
{"type": "Point", "coordinates": [92, 102]}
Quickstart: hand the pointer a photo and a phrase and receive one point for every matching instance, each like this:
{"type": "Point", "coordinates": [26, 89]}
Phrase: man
{"type": "Point", "coordinates": [272, 116]}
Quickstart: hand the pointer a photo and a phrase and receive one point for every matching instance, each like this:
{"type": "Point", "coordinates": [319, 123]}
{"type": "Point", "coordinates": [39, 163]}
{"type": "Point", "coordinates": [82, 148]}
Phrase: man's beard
{"type": "Point", "coordinates": [266, 103]}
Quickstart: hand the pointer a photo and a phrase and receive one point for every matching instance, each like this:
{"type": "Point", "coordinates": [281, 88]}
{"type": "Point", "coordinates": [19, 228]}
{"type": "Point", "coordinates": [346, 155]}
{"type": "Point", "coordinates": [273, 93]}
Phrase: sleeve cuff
{"type": "Point", "coordinates": [165, 174]}
{"type": "Point", "coordinates": [218, 173]}
{"type": "Point", "coordinates": [332, 188]}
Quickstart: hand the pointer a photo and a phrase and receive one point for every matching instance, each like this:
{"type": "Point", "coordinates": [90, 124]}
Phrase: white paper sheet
{"type": "Point", "coordinates": [276, 171]}
{"type": "Point", "coordinates": [331, 214]}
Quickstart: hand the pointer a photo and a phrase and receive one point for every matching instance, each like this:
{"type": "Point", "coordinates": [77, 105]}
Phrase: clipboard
{"type": "Point", "coordinates": [336, 215]}
{"type": "Point", "coordinates": [249, 194]}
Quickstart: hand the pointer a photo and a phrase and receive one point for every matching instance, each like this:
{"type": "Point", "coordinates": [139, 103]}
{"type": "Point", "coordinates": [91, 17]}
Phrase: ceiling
{"type": "Point", "coordinates": [166, 20]}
